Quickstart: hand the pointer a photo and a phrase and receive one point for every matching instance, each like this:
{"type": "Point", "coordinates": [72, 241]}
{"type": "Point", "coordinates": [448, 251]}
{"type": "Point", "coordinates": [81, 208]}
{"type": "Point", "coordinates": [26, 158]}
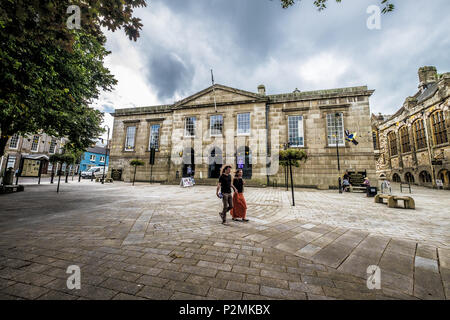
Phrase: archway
{"type": "Point", "coordinates": [444, 176]}
{"type": "Point", "coordinates": [409, 177]}
{"type": "Point", "coordinates": [215, 162]}
{"type": "Point", "coordinates": [244, 161]}
{"type": "Point", "coordinates": [425, 177]}
{"type": "Point", "coordinates": [396, 178]}
{"type": "Point", "coordinates": [188, 162]}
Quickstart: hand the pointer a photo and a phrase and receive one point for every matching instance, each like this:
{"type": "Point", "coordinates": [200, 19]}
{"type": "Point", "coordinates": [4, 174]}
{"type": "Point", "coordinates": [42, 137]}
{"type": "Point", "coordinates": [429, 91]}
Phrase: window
{"type": "Point", "coordinates": [11, 162]}
{"type": "Point", "coordinates": [189, 127]}
{"type": "Point", "coordinates": [154, 137]}
{"type": "Point", "coordinates": [404, 136]}
{"type": "Point", "coordinates": [129, 141]}
{"type": "Point", "coordinates": [419, 129]}
{"type": "Point", "coordinates": [35, 143]}
{"type": "Point", "coordinates": [295, 131]}
{"type": "Point", "coordinates": [335, 128]}
{"type": "Point", "coordinates": [243, 123]}
{"type": "Point", "coordinates": [216, 125]}
{"type": "Point", "coordinates": [439, 130]}
{"type": "Point", "coordinates": [392, 137]}
{"type": "Point", "coordinates": [375, 140]}
{"type": "Point", "coordinates": [102, 159]}
{"type": "Point", "coordinates": [92, 157]}
{"type": "Point", "coordinates": [52, 146]}
{"type": "Point", "coordinates": [14, 142]}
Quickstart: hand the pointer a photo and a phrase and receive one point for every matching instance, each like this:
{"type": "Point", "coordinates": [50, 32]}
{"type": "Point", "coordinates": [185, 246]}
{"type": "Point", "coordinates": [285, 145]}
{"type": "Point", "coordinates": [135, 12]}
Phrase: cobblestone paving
{"type": "Point", "coordinates": [165, 242]}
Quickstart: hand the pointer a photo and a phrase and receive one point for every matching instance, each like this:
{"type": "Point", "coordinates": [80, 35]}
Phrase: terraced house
{"type": "Point", "coordinates": [413, 144]}
{"type": "Point", "coordinates": [220, 124]}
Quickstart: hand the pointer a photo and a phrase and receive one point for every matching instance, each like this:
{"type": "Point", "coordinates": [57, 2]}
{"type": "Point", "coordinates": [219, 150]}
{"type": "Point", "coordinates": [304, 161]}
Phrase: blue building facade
{"type": "Point", "coordinates": [94, 157]}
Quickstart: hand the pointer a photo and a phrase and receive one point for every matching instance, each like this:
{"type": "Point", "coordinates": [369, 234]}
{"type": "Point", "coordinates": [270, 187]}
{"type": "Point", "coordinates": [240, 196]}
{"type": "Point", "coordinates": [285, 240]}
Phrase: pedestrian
{"type": "Point", "coordinates": [225, 187]}
{"type": "Point", "coordinates": [346, 185]}
{"type": "Point", "coordinates": [239, 210]}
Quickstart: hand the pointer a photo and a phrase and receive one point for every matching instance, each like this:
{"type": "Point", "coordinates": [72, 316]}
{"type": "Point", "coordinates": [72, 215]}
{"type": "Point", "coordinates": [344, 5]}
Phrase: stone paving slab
{"type": "Point", "coordinates": [164, 242]}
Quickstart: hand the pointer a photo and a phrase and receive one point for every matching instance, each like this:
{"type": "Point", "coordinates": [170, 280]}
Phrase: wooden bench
{"type": "Point", "coordinates": [392, 202]}
{"type": "Point", "coordinates": [356, 189]}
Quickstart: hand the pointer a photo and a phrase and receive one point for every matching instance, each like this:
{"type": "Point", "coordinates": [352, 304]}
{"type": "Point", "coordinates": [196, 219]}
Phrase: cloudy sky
{"type": "Point", "coordinates": [252, 42]}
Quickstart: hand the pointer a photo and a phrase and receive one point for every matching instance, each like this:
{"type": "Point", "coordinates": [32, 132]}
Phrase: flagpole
{"type": "Point", "coordinates": [214, 91]}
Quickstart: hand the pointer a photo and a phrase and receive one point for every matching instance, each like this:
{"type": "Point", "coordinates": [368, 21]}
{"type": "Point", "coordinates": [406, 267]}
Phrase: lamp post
{"type": "Point", "coordinates": [106, 155]}
{"type": "Point", "coordinates": [337, 114]}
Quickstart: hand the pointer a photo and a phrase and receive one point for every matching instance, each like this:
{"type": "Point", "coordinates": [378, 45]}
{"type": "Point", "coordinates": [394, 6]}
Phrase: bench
{"type": "Point", "coordinates": [392, 202]}
{"type": "Point", "coordinates": [11, 188]}
{"type": "Point", "coordinates": [108, 180]}
{"type": "Point", "coordinates": [379, 198]}
{"type": "Point", "coordinates": [356, 189]}
{"type": "Point", "coordinates": [408, 202]}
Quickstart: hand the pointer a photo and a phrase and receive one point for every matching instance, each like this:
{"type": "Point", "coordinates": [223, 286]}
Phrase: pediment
{"type": "Point", "coordinates": [222, 94]}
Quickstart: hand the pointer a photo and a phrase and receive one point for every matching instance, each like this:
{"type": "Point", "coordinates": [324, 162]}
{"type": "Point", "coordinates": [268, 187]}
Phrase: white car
{"type": "Point", "coordinates": [96, 171]}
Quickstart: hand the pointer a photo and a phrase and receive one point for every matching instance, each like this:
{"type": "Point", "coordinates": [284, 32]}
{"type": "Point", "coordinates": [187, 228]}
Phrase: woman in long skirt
{"type": "Point", "coordinates": [239, 210]}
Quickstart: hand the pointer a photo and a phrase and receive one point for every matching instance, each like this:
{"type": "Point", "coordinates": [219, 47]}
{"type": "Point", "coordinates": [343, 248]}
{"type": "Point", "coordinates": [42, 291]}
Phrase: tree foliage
{"type": "Point", "coordinates": [388, 6]}
{"type": "Point", "coordinates": [137, 163]}
{"type": "Point", "coordinates": [50, 73]}
{"type": "Point", "coordinates": [294, 156]}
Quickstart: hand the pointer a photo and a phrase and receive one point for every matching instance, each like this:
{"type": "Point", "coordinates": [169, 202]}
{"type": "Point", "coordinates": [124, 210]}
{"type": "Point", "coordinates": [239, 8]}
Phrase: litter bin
{"type": "Point", "coordinates": [8, 179]}
{"type": "Point", "coordinates": [372, 191]}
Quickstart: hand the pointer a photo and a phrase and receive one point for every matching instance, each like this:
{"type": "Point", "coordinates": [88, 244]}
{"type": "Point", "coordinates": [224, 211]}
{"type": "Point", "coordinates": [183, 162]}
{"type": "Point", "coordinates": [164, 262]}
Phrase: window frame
{"type": "Point", "coordinates": [392, 146]}
{"type": "Point", "coordinates": [92, 156]}
{"type": "Point", "coordinates": [438, 127]}
{"type": "Point", "coordinates": [405, 143]}
{"type": "Point", "coordinates": [126, 149]}
{"type": "Point", "coordinates": [102, 159]}
{"type": "Point", "coordinates": [37, 143]}
{"type": "Point", "coordinates": [54, 145]}
{"type": "Point", "coordinates": [421, 142]}
{"type": "Point", "coordinates": [194, 127]}
{"type": "Point", "coordinates": [330, 136]}
{"type": "Point", "coordinates": [211, 123]}
{"type": "Point", "coordinates": [150, 136]}
{"type": "Point", "coordinates": [249, 124]}
{"type": "Point", "coordinates": [16, 135]}
{"type": "Point", "coordinates": [298, 131]}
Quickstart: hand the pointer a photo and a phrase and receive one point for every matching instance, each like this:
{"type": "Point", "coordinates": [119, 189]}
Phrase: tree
{"type": "Point", "coordinates": [292, 157]}
{"type": "Point", "coordinates": [50, 73]}
{"type": "Point", "coordinates": [136, 163]}
{"type": "Point", "coordinates": [322, 4]}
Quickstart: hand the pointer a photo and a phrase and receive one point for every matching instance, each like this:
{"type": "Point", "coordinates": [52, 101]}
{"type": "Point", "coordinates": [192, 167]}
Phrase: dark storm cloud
{"type": "Point", "coordinates": [169, 74]}
{"type": "Point", "coordinates": [249, 42]}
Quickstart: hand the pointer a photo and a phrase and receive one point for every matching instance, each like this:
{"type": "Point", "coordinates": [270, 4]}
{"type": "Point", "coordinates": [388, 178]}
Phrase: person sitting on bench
{"type": "Point", "coordinates": [346, 185]}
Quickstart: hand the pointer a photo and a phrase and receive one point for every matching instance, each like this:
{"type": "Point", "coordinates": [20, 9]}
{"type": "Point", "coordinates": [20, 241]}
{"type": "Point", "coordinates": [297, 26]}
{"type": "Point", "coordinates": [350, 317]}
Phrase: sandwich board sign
{"type": "Point", "coordinates": [187, 182]}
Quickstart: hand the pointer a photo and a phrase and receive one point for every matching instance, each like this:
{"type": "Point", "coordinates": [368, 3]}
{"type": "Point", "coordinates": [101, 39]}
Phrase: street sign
{"type": "Point", "coordinates": [436, 162]}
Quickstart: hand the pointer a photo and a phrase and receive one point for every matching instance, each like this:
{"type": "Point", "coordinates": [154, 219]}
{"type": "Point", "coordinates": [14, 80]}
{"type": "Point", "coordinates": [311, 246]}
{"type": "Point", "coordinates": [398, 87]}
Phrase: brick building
{"type": "Point", "coordinates": [226, 125]}
{"type": "Point", "coordinates": [413, 144]}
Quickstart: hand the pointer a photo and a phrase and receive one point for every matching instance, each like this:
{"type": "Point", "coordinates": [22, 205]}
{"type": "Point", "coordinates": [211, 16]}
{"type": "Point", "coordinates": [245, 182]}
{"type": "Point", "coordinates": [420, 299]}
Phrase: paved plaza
{"type": "Point", "coordinates": [166, 242]}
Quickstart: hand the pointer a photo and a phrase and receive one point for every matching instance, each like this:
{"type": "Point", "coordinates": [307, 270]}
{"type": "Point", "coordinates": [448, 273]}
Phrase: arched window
{"type": "Point", "coordinates": [396, 178]}
{"type": "Point", "coordinates": [425, 177]}
{"type": "Point", "coordinates": [392, 137]}
{"type": "Point", "coordinates": [409, 177]}
{"type": "Point", "coordinates": [438, 126]}
{"type": "Point", "coordinates": [404, 136]}
{"type": "Point", "coordinates": [419, 130]}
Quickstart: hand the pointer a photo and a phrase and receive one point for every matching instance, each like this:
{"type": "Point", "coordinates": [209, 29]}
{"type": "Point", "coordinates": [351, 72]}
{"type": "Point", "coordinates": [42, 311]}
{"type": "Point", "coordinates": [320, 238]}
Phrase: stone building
{"type": "Point", "coordinates": [413, 144]}
{"type": "Point", "coordinates": [33, 151]}
{"type": "Point", "coordinates": [219, 124]}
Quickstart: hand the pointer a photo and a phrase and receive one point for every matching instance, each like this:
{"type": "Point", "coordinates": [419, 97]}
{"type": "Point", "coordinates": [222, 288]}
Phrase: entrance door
{"type": "Point", "coordinates": [215, 163]}
{"type": "Point", "coordinates": [244, 161]}
{"type": "Point", "coordinates": [188, 162]}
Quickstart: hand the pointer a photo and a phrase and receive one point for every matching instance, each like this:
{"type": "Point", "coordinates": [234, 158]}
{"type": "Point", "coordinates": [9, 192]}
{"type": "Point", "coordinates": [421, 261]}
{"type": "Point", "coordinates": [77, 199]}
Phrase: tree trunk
{"type": "Point", "coordinates": [3, 142]}
{"type": "Point", "coordinates": [134, 177]}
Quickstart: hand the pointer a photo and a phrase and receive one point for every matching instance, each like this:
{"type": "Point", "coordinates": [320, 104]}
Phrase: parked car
{"type": "Point", "coordinates": [96, 171]}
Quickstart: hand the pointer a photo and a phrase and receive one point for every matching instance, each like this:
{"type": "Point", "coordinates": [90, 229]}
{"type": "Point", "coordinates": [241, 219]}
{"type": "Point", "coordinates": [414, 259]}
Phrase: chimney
{"type": "Point", "coordinates": [262, 89]}
{"type": "Point", "coordinates": [427, 75]}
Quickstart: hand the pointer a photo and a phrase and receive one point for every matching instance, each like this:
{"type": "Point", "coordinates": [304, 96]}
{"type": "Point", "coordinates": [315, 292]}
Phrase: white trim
{"type": "Point", "coordinates": [300, 131]}
{"type": "Point", "coordinates": [32, 141]}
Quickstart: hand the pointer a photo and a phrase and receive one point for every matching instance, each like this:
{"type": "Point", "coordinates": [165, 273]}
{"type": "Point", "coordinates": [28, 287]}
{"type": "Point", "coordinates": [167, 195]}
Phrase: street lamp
{"type": "Point", "coordinates": [337, 114]}
{"type": "Point", "coordinates": [106, 155]}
